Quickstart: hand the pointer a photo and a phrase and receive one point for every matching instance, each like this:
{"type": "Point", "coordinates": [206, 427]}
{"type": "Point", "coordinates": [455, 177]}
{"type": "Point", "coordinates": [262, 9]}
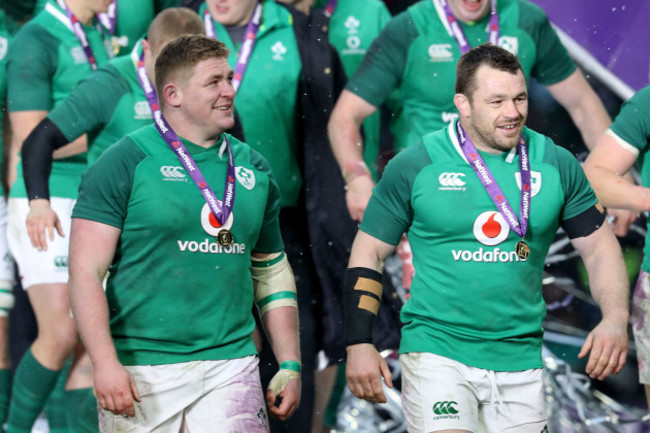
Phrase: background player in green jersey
{"type": "Point", "coordinates": [624, 145]}
{"type": "Point", "coordinates": [107, 105]}
{"type": "Point", "coordinates": [417, 53]}
{"type": "Point", "coordinates": [45, 61]}
{"type": "Point", "coordinates": [472, 335]}
{"type": "Point", "coordinates": [6, 262]}
{"type": "Point", "coordinates": [171, 339]}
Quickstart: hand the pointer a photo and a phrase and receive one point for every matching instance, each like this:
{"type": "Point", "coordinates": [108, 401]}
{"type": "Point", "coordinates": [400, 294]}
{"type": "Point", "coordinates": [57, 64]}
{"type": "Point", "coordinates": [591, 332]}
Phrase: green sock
{"type": "Point", "coordinates": [32, 386]}
{"type": "Point", "coordinates": [5, 392]}
{"type": "Point", "coordinates": [88, 421]}
{"type": "Point", "coordinates": [55, 408]}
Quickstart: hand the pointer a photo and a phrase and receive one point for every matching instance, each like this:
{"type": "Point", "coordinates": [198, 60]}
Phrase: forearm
{"type": "Point", "coordinates": [608, 279]}
{"type": "Point", "coordinates": [90, 311]}
{"type": "Point", "coordinates": [347, 145]}
{"type": "Point", "coordinates": [616, 191]}
{"type": "Point", "coordinates": [591, 119]}
{"type": "Point", "coordinates": [281, 327]}
{"type": "Point", "coordinates": [76, 147]}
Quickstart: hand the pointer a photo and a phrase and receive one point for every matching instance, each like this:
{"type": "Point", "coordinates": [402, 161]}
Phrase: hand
{"type": "Point", "coordinates": [116, 389]}
{"type": "Point", "coordinates": [608, 345]}
{"type": "Point", "coordinates": [364, 370]}
{"type": "Point", "coordinates": [42, 220]}
{"type": "Point", "coordinates": [621, 220]}
{"type": "Point", "coordinates": [286, 385]}
{"type": "Point", "coordinates": [359, 190]}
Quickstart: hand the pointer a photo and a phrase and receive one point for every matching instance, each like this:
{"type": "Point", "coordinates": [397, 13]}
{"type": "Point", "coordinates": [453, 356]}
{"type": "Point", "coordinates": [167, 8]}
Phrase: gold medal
{"type": "Point", "coordinates": [224, 237]}
{"type": "Point", "coordinates": [522, 249]}
{"type": "Point", "coordinates": [116, 45]}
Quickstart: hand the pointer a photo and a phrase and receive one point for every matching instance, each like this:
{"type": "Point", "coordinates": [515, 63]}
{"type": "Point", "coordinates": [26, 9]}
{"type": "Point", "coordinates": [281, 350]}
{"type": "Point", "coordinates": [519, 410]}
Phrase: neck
{"type": "Point", "coordinates": [183, 127]}
{"type": "Point", "coordinates": [304, 5]}
{"type": "Point", "coordinates": [81, 11]}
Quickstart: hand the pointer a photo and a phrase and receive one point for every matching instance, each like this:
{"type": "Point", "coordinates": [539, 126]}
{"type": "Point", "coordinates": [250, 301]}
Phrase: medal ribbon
{"type": "Point", "coordinates": [109, 19]}
{"type": "Point", "coordinates": [459, 34]}
{"type": "Point", "coordinates": [220, 211]}
{"type": "Point", "coordinates": [329, 8]}
{"type": "Point", "coordinates": [247, 46]}
{"type": "Point", "coordinates": [491, 186]}
{"type": "Point", "coordinates": [80, 33]}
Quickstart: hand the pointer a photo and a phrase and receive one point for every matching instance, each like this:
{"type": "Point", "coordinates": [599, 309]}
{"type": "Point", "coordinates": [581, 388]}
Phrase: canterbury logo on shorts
{"type": "Point", "coordinates": [445, 408]}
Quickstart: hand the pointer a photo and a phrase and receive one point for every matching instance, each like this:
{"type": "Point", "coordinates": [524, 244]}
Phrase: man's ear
{"type": "Point", "coordinates": [462, 105]}
{"type": "Point", "coordinates": [172, 94]}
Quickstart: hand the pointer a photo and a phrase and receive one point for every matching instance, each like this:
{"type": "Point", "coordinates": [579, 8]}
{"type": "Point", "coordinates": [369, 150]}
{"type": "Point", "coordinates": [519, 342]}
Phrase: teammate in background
{"type": "Point", "coordinates": [626, 142]}
{"type": "Point", "coordinates": [287, 77]}
{"type": "Point", "coordinates": [48, 56]}
{"type": "Point", "coordinates": [171, 339]}
{"type": "Point", "coordinates": [106, 105]}
{"type": "Point", "coordinates": [6, 261]}
{"type": "Point", "coordinates": [471, 346]}
{"type": "Point", "coordinates": [417, 53]}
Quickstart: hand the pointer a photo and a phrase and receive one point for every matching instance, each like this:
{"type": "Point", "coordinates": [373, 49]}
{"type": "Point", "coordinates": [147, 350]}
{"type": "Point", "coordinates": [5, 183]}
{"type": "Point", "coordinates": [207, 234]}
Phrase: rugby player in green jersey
{"type": "Point", "coordinates": [171, 338]}
{"type": "Point", "coordinates": [624, 145]}
{"type": "Point", "coordinates": [417, 52]}
{"type": "Point", "coordinates": [47, 57]}
{"type": "Point", "coordinates": [480, 201]}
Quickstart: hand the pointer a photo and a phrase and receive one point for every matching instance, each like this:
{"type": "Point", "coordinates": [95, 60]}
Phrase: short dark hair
{"type": "Point", "coordinates": [485, 54]}
{"type": "Point", "coordinates": [179, 57]}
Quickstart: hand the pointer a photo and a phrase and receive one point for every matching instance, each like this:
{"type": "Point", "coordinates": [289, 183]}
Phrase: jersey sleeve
{"type": "Point", "coordinates": [389, 212]}
{"type": "Point", "coordinates": [91, 104]}
{"type": "Point", "coordinates": [106, 186]}
{"type": "Point", "coordinates": [31, 64]}
{"type": "Point", "coordinates": [553, 63]}
{"type": "Point", "coordinates": [632, 125]}
{"type": "Point", "coordinates": [578, 195]}
{"type": "Point", "coordinates": [270, 239]}
{"type": "Point", "coordinates": [384, 63]}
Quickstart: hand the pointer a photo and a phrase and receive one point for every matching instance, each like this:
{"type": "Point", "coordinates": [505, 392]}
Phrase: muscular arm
{"type": "Point", "coordinates": [585, 108]}
{"type": "Point", "coordinates": [365, 367]}
{"type": "Point", "coordinates": [344, 130]}
{"type": "Point", "coordinates": [605, 168]}
{"type": "Point", "coordinates": [608, 281]}
{"type": "Point", "coordinates": [92, 247]}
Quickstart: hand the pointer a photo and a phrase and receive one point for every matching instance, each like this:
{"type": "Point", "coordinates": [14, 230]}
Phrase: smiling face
{"type": "Point", "coordinates": [231, 12]}
{"type": "Point", "coordinates": [494, 113]}
{"type": "Point", "coordinates": [206, 97]}
{"type": "Point", "coordinates": [469, 10]}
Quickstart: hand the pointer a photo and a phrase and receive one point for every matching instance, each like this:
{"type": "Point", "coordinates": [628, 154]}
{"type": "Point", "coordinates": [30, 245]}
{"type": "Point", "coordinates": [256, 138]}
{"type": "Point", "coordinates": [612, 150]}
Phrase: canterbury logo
{"type": "Point", "coordinates": [445, 408]}
{"type": "Point", "coordinates": [61, 261]}
{"type": "Point", "coordinates": [451, 179]}
{"type": "Point", "coordinates": [170, 171]}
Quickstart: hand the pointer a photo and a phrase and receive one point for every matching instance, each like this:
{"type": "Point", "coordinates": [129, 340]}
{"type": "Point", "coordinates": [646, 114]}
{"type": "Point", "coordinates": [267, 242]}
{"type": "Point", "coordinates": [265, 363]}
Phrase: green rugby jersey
{"type": "Point", "coordinates": [174, 293]}
{"type": "Point", "coordinates": [632, 130]}
{"type": "Point", "coordinates": [417, 54]}
{"type": "Point", "coordinates": [107, 105]}
{"type": "Point", "coordinates": [266, 99]}
{"type": "Point", "coordinates": [5, 38]}
{"type": "Point", "coordinates": [353, 27]}
{"type": "Point", "coordinates": [472, 298]}
{"type": "Point", "coordinates": [44, 64]}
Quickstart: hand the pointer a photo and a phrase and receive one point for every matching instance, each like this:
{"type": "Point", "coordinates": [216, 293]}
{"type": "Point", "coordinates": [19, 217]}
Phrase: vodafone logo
{"type": "Point", "coordinates": [210, 223]}
{"type": "Point", "coordinates": [490, 228]}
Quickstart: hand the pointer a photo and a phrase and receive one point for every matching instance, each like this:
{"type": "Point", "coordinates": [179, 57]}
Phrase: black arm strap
{"type": "Point", "coordinates": [362, 290]}
{"type": "Point", "coordinates": [585, 223]}
{"type": "Point", "coordinates": [37, 158]}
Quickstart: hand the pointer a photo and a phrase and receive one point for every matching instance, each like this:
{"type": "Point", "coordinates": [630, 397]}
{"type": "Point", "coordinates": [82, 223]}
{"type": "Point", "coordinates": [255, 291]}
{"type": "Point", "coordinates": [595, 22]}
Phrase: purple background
{"type": "Point", "coordinates": [616, 32]}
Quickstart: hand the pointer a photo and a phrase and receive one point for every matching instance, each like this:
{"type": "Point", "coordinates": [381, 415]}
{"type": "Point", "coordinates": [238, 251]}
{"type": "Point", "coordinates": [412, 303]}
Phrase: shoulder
{"type": "Point", "coordinates": [531, 15]}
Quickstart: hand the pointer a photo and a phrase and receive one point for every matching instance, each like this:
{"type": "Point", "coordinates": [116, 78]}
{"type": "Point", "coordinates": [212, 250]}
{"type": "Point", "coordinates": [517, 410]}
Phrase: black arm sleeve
{"type": "Point", "coordinates": [37, 158]}
{"type": "Point", "coordinates": [584, 224]}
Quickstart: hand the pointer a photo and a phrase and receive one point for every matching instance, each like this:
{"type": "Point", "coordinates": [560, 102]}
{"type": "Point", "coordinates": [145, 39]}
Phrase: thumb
{"type": "Point", "coordinates": [385, 372]}
{"type": "Point", "coordinates": [586, 347]}
{"type": "Point", "coordinates": [134, 389]}
{"type": "Point", "coordinates": [59, 228]}
{"type": "Point", "coordinates": [270, 398]}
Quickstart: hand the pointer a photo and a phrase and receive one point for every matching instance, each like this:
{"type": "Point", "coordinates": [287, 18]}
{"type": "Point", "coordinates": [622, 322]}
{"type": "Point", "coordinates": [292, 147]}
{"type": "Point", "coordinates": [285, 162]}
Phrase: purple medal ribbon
{"type": "Point", "coordinates": [329, 8]}
{"type": "Point", "coordinates": [491, 186]}
{"type": "Point", "coordinates": [220, 211]}
{"type": "Point", "coordinates": [459, 34]}
{"type": "Point", "coordinates": [109, 19]}
{"type": "Point", "coordinates": [80, 33]}
{"type": "Point", "coordinates": [247, 46]}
